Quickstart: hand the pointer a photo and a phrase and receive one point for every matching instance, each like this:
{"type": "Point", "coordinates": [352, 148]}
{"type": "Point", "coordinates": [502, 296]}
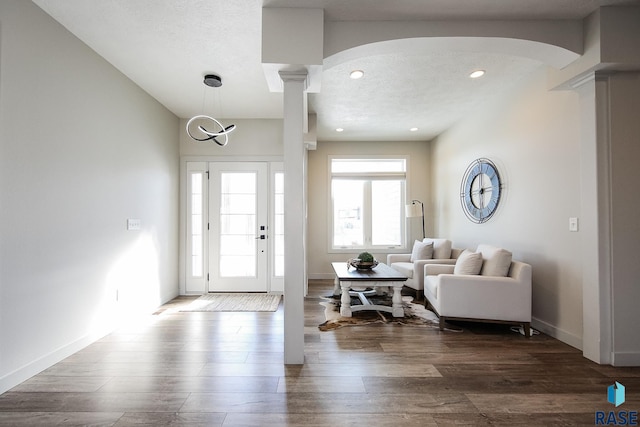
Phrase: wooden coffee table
{"type": "Point", "coordinates": [380, 276]}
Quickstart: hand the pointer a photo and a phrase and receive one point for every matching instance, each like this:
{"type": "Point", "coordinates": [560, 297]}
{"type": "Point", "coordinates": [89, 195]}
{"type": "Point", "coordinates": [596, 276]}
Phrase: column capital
{"type": "Point", "coordinates": [295, 76]}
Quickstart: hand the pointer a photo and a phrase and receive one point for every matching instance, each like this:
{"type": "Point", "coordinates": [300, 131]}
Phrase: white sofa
{"type": "Point", "coordinates": [443, 253]}
{"type": "Point", "coordinates": [486, 296]}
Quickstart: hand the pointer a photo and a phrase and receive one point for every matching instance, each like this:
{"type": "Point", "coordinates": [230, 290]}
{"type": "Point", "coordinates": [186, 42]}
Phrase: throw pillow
{"type": "Point", "coordinates": [468, 263]}
{"type": "Point", "coordinates": [421, 250]}
{"type": "Point", "coordinates": [441, 248]}
{"type": "Point", "coordinates": [496, 261]}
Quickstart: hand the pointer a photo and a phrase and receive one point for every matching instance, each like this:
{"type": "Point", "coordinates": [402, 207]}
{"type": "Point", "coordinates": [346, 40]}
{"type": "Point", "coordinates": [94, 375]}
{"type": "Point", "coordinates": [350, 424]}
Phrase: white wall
{"type": "Point", "coordinates": [418, 184]}
{"type": "Point", "coordinates": [533, 135]}
{"type": "Point", "coordinates": [82, 150]}
{"type": "Point", "coordinates": [252, 137]}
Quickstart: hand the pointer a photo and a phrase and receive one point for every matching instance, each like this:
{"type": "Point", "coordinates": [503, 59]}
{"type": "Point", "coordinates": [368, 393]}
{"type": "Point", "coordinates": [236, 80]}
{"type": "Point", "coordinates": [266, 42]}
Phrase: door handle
{"type": "Point", "coordinates": [261, 237]}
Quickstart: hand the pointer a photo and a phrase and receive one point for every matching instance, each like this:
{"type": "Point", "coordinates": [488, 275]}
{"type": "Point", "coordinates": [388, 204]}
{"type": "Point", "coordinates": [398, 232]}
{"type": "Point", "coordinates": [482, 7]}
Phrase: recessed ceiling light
{"type": "Point", "coordinates": [413, 129]}
{"type": "Point", "coordinates": [356, 74]}
{"type": "Point", "coordinates": [476, 74]}
{"type": "Point", "coordinates": [339, 129]}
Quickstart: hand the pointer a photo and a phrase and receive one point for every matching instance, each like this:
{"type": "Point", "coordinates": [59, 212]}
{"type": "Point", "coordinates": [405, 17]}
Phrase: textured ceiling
{"type": "Point", "coordinates": [167, 46]}
{"type": "Point", "coordinates": [401, 91]}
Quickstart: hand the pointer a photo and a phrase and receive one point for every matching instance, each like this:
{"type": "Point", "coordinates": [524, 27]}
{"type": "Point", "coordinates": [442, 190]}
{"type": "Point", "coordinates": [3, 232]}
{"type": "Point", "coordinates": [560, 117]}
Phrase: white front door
{"type": "Point", "coordinates": [238, 227]}
{"type": "Point", "coordinates": [234, 239]}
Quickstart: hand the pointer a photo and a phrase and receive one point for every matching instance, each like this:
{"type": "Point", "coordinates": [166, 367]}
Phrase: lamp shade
{"type": "Point", "coordinates": [413, 210]}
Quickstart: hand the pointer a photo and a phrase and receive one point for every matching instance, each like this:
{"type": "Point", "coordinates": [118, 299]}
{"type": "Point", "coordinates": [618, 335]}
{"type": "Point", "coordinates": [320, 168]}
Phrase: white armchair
{"type": "Point", "coordinates": [414, 270]}
{"type": "Point", "coordinates": [480, 297]}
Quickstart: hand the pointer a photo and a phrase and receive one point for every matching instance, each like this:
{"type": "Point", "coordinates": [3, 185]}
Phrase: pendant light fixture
{"type": "Point", "coordinates": [205, 128]}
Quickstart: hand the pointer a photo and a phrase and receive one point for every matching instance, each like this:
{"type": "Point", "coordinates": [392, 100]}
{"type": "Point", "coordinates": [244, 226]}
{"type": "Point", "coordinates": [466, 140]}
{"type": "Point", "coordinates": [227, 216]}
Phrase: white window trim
{"type": "Point", "coordinates": [193, 284]}
{"type": "Point", "coordinates": [380, 175]}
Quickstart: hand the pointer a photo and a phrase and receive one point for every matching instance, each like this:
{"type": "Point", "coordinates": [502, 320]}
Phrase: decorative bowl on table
{"type": "Point", "coordinates": [362, 265]}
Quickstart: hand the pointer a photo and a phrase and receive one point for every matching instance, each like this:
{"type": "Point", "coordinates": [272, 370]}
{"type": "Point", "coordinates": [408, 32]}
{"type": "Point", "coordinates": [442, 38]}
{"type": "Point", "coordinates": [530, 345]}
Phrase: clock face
{"type": "Point", "coordinates": [480, 190]}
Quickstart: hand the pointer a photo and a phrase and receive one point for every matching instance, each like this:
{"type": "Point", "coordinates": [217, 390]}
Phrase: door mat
{"type": "Point", "coordinates": [235, 302]}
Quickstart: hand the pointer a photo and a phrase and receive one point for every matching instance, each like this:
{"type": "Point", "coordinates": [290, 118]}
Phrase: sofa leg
{"type": "Point", "coordinates": [441, 323]}
{"type": "Point", "coordinates": [527, 329]}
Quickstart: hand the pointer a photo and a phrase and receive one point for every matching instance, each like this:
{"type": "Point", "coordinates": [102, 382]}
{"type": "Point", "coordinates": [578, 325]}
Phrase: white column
{"type": "Point", "coordinates": [594, 221]}
{"type": "Point", "coordinates": [294, 216]}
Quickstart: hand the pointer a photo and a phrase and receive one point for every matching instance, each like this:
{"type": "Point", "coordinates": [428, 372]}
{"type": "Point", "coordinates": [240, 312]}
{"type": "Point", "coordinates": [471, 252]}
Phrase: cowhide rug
{"type": "Point", "coordinates": [414, 314]}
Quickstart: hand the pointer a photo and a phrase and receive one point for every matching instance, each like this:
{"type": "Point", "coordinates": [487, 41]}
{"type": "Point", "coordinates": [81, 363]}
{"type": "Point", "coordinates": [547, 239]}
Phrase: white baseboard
{"type": "Point", "coordinates": [625, 359]}
{"type": "Point", "coordinates": [27, 371]}
{"type": "Point", "coordinates": [557, 333]}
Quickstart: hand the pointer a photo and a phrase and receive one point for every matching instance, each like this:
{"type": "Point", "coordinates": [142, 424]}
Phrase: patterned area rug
{"type": "Point", "coordinates": [235, 302]}
{"type": "Point", "coordinates": [414, 314]}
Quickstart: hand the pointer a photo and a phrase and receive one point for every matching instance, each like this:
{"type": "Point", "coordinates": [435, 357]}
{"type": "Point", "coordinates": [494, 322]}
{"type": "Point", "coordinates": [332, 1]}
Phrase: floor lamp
{"type": "Point", "coordinates": [416, 209]}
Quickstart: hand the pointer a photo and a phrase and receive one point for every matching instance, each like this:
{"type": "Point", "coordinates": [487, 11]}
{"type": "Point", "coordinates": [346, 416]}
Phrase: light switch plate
{"type": "Point", "coordinates": [134, 224]}
{"type": "Point", "coordinates": [573, 224]}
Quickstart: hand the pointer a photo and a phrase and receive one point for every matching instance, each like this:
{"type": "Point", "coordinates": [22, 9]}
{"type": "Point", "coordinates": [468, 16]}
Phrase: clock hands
{"type": "Point", "coordinates": [480, 192]}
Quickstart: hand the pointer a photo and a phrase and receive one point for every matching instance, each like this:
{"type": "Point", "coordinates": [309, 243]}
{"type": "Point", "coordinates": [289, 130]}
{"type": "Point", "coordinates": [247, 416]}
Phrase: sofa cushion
{"type": "Point", "coordinates": [421, 250]}
{"type": "Point", "coordinates": [495, 261]}
{"type": "Point", "coordinates": [406, 268]}
{"type": "Point", "coordinates": [468, 263]}
{"type": "Point", "coordinates": [441, 248]}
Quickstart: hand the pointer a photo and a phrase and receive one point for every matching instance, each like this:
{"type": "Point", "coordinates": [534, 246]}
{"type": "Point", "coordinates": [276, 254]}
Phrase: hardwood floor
{"type": "Point", "coordinates": [226, 369]}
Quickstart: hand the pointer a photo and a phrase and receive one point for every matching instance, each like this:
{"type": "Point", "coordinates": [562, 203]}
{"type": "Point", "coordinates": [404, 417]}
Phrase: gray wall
{"type": "Point", "coordinates": [418, 186]}
{"type": "Point", "coordinates": [533, 135]}
{"type": "Point", "coordinates": [256, 138]}
{"type": "Point", "coordinates": [82, 150]}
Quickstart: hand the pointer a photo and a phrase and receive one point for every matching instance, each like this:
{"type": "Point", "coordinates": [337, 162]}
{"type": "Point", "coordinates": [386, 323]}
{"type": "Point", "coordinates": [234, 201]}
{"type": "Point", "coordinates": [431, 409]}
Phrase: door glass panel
{"type": "Point", "coordinates": [196, 256]}
{"type": "Point", "coordinates": [238, 183]}
{"type": "Point", "coordinates": [238, 207]}
{"type": "Point", "coordinates": [238, 204]}
{"type": "Point", "coordinates": [197, 248]}
{"type": "Point", "coordinates": [278, 232]}
{"type": "Point", "coordinates": [237, 224]}
{"type": "Point", "coordinates": [238, 245]}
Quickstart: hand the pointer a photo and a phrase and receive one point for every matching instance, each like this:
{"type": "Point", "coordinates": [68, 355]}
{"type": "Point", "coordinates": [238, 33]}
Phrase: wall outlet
{"type": "Point", "coordinates": [573, 224]}
{"type": "Point", "coordinates": [134, 224]}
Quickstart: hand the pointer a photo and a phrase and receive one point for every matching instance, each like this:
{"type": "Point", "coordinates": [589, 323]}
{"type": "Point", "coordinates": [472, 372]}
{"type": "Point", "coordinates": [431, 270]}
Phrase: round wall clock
{"type": "Point", "coordinates": [480, 190]}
